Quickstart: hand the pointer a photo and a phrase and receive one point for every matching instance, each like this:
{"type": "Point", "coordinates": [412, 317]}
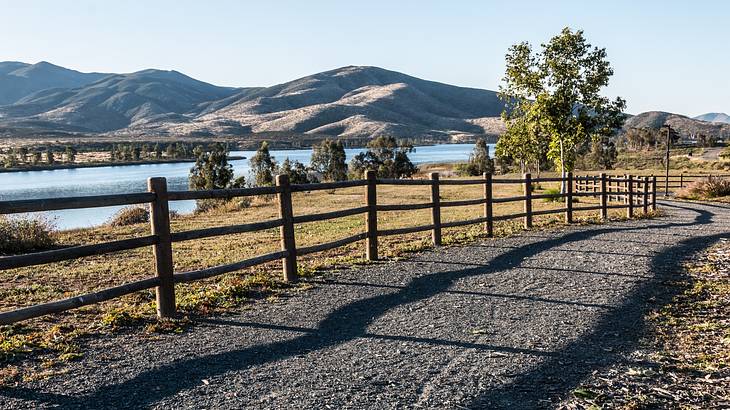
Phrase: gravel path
{"type": "Point", "coordinates": [507, 323]}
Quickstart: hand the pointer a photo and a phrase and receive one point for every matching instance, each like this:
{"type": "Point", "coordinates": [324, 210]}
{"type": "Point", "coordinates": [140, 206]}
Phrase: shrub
{"type": "Point", "coordinates": [387, 157]}
{"type": "Point", "coordinates": [21, 235]}
{"type": "Point", "coordinates": [479, 161]}
{"type": "Point", "coordinates": [235, 204]}
{"type": "Point", "coordinates": [553, 191]}
{"type": "Point", "coordinates": [710, 187]}
{"type": "Point", "coordinates": [130, 215]}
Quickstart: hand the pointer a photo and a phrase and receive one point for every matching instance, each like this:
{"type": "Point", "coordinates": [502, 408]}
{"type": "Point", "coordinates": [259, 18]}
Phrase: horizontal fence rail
{"type": "Point", "coordinates": [614, 192]}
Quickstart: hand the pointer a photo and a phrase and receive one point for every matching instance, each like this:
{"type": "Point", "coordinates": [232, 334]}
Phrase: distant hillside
{"type": "Point", "coordinates": [356, 102]}
{"type": "Point", "coordinates": [18, 80]}
{"type": "Point", "coordinates": [116, 101]}
{"type": "Point", "coordinates": [714, 117]}
{"type": "Point", "coordinates": [352, 101]}
{"type": "Point", "coordinates": [684, 125]}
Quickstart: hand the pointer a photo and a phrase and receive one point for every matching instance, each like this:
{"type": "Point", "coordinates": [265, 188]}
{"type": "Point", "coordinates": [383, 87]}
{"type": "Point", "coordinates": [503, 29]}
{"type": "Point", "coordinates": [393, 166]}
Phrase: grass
{"type": "Point", "coordinates": [706, 188]}
{"type": "Point", "coordinates": [38, 284]}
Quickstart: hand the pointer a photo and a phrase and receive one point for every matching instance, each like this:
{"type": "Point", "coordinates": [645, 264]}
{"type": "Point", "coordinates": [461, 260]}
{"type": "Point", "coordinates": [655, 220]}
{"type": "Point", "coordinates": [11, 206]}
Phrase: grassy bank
{"type": "Point", "coordinates": [50, 340]}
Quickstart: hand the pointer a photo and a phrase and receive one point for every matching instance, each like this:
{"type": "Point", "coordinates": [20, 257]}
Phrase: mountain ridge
{"type": "Point", "coordinates": [714, 117]}
{"type": "Point", "coordinates": [346, 102]}
{"type": "Point", "coordinates": [351, 101]}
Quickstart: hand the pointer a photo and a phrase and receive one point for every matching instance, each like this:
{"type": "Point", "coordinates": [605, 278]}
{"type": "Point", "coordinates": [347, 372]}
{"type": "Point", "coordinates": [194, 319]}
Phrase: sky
{"type": "Point", "coordinates": [667, 55]}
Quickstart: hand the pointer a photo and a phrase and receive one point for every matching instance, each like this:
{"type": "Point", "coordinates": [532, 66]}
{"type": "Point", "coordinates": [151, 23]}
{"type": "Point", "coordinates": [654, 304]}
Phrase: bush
{"type": "Point", "coordinates": [21, 235]}
{"type": "Point", "coordinates": [553, 191]}
{"type": "Point", "coordinates": [235, 204]}
{"type": "Point", "coordinates": [130, 215]}
{"type": "Point", "coordinates": [710, 187]}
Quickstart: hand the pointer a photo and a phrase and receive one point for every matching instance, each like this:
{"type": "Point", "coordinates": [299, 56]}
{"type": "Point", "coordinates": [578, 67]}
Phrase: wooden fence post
{"type": "Point", "coordinates": [160, 224]}
{"type": "Point", "coordinates": [645, 196]}
{"type": "Point", "coordinates": [595, 184]}
{"type": "Point", "coordinates": [626, 189]}
{"type": "Point", "coordinates": [681, 180]}
{"type": "Point", "coordinates": [528, 200]}
{"type": "Point", "coordinates": [286, 230]}
{"type": "Point", "coordinates": [653, 193]}
{"type": "Point", "coordinates": [435, 209]}
{"type": "Point", "coordinates": [371, 218]}
{"type": "Point", "coordinates": [604, 197]}
{"type": "Point", "coordinates": [488, 208]}
{"type": "Point", "coordinates": [569, 198]}
{"type": "Point", "coordinates": [630, 196]}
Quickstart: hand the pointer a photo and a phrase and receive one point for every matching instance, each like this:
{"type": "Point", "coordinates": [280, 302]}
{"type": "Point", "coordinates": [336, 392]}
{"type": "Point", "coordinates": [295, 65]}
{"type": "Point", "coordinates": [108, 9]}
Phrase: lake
{"type": "Point", "coordinates": [133, 178]}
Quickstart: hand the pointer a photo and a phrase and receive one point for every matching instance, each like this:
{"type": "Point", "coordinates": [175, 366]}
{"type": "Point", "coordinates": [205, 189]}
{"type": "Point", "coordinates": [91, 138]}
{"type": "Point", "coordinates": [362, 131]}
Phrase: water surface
{"type": "Point", "coordinates": [133, 178]}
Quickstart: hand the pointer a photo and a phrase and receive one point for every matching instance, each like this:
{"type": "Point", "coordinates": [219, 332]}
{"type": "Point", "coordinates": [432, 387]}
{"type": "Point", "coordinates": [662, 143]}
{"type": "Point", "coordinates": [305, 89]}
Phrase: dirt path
{"type": "Point", "coordinates": [711, 154]}
{"type": "Point", "coordinates": [508, 323]}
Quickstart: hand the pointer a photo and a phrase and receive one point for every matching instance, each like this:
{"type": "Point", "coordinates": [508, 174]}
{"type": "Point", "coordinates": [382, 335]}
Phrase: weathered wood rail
{"type": "Point", "coordinates": [674, 181]}
{"type": "Point", "coordinates": [161, 238]}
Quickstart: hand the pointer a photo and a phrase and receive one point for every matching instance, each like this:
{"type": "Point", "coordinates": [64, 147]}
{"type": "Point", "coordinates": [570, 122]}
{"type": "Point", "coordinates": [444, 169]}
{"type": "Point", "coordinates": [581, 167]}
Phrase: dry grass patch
{"type": "Point", "coordinates": [38, 284]}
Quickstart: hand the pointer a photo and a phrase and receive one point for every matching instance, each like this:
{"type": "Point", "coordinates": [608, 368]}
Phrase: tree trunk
{"type": "Point", "coordinates": [562, 169]}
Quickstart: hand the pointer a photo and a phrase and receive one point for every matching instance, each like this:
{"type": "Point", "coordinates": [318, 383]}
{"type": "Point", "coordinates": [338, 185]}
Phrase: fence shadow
{"type": "Point", "coordinates": [352, 321]}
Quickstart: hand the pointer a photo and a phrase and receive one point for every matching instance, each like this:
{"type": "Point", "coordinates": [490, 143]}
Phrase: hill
{"type": "Point", "coordinates": [714, 117]}
{"type": "Point", "coordinates": [116, 102]}
{"type": "Point", "coordinates": [682, 124]}
{"type": "Point", "coordinates": [19, 80]}
{"type": "Point", "coordinates": [346, 102]}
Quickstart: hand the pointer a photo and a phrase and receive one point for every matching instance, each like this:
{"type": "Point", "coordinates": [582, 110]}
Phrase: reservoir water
{"type": "Point", "coordinates": [133, 178]}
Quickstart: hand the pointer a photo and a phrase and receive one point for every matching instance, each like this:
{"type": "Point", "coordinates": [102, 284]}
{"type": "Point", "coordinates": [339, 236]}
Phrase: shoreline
{"type": "Point", "coordinates": [33, 168]}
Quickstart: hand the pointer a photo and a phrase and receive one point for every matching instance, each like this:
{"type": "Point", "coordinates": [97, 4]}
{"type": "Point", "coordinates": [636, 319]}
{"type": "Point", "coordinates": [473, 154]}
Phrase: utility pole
{"type": "Point", "coordinates": [666, 163]}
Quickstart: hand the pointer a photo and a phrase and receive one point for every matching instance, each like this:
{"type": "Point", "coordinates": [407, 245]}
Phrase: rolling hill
{"type": "Point", "coordinates": [714, 117]}
{"type": "Point", "coordinates": [346, 102]}
{"type": "Point", "coordinates": [684, 125]}
{"type": "Point", "coordinates": [19, 80]}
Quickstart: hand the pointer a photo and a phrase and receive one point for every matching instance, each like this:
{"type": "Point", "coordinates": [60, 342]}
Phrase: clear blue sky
{"type": "Point", "coordinates": [668, 55]}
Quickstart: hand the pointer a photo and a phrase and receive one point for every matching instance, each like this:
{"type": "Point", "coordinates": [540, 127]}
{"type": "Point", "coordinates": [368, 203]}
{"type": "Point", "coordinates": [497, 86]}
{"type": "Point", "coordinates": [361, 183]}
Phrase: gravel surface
{"type": "Point", "coordinates": [506, 323]}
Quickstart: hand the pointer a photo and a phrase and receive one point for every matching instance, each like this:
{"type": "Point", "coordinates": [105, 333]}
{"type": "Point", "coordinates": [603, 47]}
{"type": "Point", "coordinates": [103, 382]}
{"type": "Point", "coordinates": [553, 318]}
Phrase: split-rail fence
{"type": "Point", "coordinates": [639, 192]}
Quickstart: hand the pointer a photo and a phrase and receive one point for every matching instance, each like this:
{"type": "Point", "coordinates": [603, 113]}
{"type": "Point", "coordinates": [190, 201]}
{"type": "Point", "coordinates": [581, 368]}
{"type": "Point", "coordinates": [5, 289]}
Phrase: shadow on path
{"type": "Point", "coordinates": [352, 320]}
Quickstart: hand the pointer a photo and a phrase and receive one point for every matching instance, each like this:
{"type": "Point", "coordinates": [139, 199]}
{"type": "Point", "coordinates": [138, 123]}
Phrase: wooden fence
{"type": "Point", "coordinates": [675, 181]}
{"type": "Point", "coordinates": [161, 237]}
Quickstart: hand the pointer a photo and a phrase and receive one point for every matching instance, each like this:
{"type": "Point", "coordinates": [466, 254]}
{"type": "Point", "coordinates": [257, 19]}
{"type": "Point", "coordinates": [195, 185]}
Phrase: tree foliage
{"type": "Point", "coordinates": [263, 166]}
{"type": "Point", "coordinates": [329, 159]}
{"type": "Point", "coordinates": [386, 156]}
{"type": "Point", "coordinates": [603, 153]}
{"type": "Point", "coordinates": [212, 170]}
{"type": "Point", "coordinates": [296, 171]}
{"type": "Point", "coordinates": [480, 161]}
{"type": "Point", "coordinates": [555, 95]}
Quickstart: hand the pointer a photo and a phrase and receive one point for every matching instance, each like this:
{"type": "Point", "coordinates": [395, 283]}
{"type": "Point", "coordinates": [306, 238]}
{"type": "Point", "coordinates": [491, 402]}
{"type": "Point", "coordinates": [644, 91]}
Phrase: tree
{"type": "Point", "coordinates": [479, 160]}
{"type": "Point", "coordinates": [387, 157]}
{"type": "Point", "coordinates": [557, 93]}
{"type": "Point", "coordinates": [212, 170]}
{"type": "Point", "coordinates": [10, 159]}
{"type": "Point", "coordinates": [136, 153]}
{"type": "Point", "coordinates": [70, 153]}
{"type": "Point", "coordinates": [263, 166]}
{"type": "Point", "coordinates": [603, 153]}
{"type": "Point", "coordinates": [126, 152]}
{"type": "Point", "coordinates": [181, 150]}
{"type": "Point", "coordinates": [158, 151]}
{"type": "Point", "coordinates": [170, 151]}
{"type": "Point", "coordinates": [23, 154]}
{"type": "Point", "coordinates": [36, 157]}
{"type": "Point", "coordinates": [296, 171]}
{"type": "Point", "coordinates": [329, 159]}
{"type": "Point", "coordinates": [113, 153]}
{"type": "Point", "coordinates": [50, 159]}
